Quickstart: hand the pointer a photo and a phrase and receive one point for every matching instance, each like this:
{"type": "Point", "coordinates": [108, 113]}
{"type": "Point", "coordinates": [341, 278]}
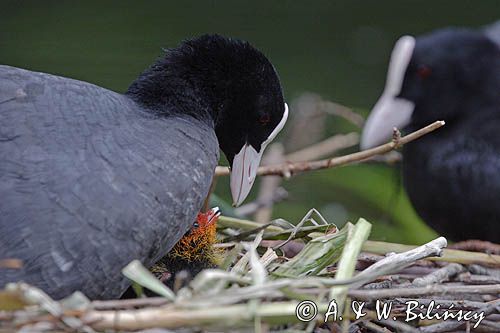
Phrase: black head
{"type": "Point", "coordinates": [228, 83]}
{"type": "Point", "coordinates": [247, 99]}
{"type": "Point", "coordinates": [445, 75]}
{"type": "Point", "coordinates": [450, 71]}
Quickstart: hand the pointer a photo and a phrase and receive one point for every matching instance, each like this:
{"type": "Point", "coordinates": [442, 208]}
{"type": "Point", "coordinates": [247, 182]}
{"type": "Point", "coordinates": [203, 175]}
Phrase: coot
{"type": "Point", "coordinates": [91, 179]}
{"type": "Point", "coordinates": [451, 175]}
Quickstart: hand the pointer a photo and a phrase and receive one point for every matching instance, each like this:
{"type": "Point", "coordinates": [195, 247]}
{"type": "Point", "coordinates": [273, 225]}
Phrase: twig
{"type": "Point", "coordinates": [491, 324]}
{"type": "Point", "coordinates": [400, 326]}
{"type": "Point", "coordinates": [399, 261]}
{"type": "Point", "coordinates": [458, 256]}
{"type": "Point", "coordinates": [342, 111]}
{"type": "Point", "coordinates": [494, 317]}
{"type": "Point", "coordinates": [324, 148]}
{"type": "Point", "coordinates": [246, 225]}
{"type": "Point", "coordinates": [379, 285]}
{"type": "Point", "coordinates": [129, 303]}
{"type": "Point", "coordinates": [477, 279]}
{"type": "Point", "coordinates": [36, 296]}
{"type": "Point", "coordinates": [417, 270]}
{"type": "Point", "coordinates": [374, 327]}
{"type": "Point", "coordinates": [451, 325]}
{"type": "Point", "coordinates": [477, 246]}
{"type": "Point", "coordinates": [445, 304]}
{"type": "Point", "coordinates": [396, 136]}
{"type": "Point", "coordinates": [294, 168]}
{"type": "Point", "coordinates": [421, 291]}
{"type": "Point", "coordinates": [477, 269]}
{"type": "Point", "coordinates": [170, 317]}
{"type": "Point", "coordinates": [440, 275]}
{"type": "Point", "coordinates": [389, 158]}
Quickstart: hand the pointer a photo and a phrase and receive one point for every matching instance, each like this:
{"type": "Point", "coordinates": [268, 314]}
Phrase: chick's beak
{"type": "Point", "coordinates": [213, 214]}
{"type": "Point", "coordinates": [246, 164]}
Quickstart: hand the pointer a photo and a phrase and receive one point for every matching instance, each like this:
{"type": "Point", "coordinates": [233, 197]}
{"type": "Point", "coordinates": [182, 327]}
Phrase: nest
{"type": "Point", "coordinates": [290, 278]}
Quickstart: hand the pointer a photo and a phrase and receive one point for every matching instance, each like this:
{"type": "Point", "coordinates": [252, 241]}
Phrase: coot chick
{"type": "Point", "coordinates": [91, 179]}
{"type": "Point", "coordinates": [451, 175]}
{"type": "Point", "coordinates": [193, 253]}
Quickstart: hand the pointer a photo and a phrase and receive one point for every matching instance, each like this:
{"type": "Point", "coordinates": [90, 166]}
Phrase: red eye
{"type": "Point", "coordinates": [264, 119]}
{"type": "Point", "coordinates": [424, 72]}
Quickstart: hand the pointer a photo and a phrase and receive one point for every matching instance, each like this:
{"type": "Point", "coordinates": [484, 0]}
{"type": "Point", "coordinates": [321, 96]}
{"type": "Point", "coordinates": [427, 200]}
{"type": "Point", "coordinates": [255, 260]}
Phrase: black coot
{"type": "Point", "coordinates": [452, 175]}
{"type": "Point", "coordinates": [91, 179]}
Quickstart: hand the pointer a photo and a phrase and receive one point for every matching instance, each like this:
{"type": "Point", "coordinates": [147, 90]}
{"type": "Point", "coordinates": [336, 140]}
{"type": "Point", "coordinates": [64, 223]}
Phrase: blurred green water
{"type": "Point", "coordinates": [338, 49]}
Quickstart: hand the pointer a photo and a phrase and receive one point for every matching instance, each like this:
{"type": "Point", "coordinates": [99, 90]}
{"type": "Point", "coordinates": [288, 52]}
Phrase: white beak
{"type": "Point", "coordinates": [214, 212]}
{"type": "Point", "coordinates": [246, 164]}
{"type": "Point", "coordinates": [390, 111]}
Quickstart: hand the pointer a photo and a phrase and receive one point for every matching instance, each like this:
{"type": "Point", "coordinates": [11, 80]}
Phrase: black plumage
{"type": "Point", "coordinates": [91, 179]}
{"type": "Point", "coordinates": [452, 175]}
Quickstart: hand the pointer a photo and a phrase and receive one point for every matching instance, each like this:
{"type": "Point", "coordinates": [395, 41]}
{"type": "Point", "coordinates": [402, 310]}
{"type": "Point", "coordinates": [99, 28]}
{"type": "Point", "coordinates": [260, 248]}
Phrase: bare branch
{"type": "Point", "coordinates": [440, 275]}
{"type": "Point", "coordinates": [431, 289]}
{"type": "Point", "coordinates": [399, 261]}
{"type": "Point", "coordinates": [324, 148]}
{"type": "Point", "coordinates": [477, 245]}
{"type": "Point", "coordinates": [342, 111]}
{"type": "Point", "coordinates": [289, 169]}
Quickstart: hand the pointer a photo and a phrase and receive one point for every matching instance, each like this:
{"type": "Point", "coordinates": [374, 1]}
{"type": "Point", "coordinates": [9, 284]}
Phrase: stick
{"type": "Point", "coordinates": [445, 304]}
{"type": "Point", "coordinates": [477, 246]}
{"type": "Point", "coordinates": [129, 303]}
{"type": "Point", "coordinates": [458, 256]}
{"type": "Point", "coordinates": [477, 279]}
{"type": "Point", "coordinates": [452, 325]}
{"type": "Point", "coordinates": [324, 148]}
{"type": "Point", "coordinates": [399, 261]}
{"type": "Point", "coordinates": [421, 291]}
{"type": "Point", "coordinates": [374, 327]}
{"type": "Point", "coordinates": [170, 317]}
{"type": "Point", "coordinates": [342, 111]}
{"type": "Point", "coordinates": [294, 168]}
{"type": "Point", "coordinates": [477, 269]}
{"type": "Point", "coordinates": [440, 275]}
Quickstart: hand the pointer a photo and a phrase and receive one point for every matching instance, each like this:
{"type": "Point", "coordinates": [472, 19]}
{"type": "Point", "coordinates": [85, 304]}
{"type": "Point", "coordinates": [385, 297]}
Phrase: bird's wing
{"type": "Point", "coordinates": [90, 181]}
{"type": "Point", "coordinates": [493, 32]}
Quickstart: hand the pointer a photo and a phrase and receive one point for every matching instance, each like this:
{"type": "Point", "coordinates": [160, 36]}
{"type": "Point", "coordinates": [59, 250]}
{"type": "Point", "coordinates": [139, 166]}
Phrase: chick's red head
{"type": "Point", "coordinates": [197, 243]}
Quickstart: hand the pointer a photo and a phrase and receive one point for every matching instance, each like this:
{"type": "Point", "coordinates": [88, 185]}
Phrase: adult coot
{"type": "Point", "coordinates": [452, 175]}
{"type": "Point", "coordinates": [91, 179]}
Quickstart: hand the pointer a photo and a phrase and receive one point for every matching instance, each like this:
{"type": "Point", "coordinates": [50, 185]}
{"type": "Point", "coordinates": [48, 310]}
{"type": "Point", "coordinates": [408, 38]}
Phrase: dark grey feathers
{"type": "Point", "coordinates": [89, 181]}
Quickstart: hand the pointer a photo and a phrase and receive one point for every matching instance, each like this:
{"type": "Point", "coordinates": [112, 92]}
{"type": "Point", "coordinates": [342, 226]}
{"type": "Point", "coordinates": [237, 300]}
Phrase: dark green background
{"type": "Point", "coordinates": [338, 49]}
